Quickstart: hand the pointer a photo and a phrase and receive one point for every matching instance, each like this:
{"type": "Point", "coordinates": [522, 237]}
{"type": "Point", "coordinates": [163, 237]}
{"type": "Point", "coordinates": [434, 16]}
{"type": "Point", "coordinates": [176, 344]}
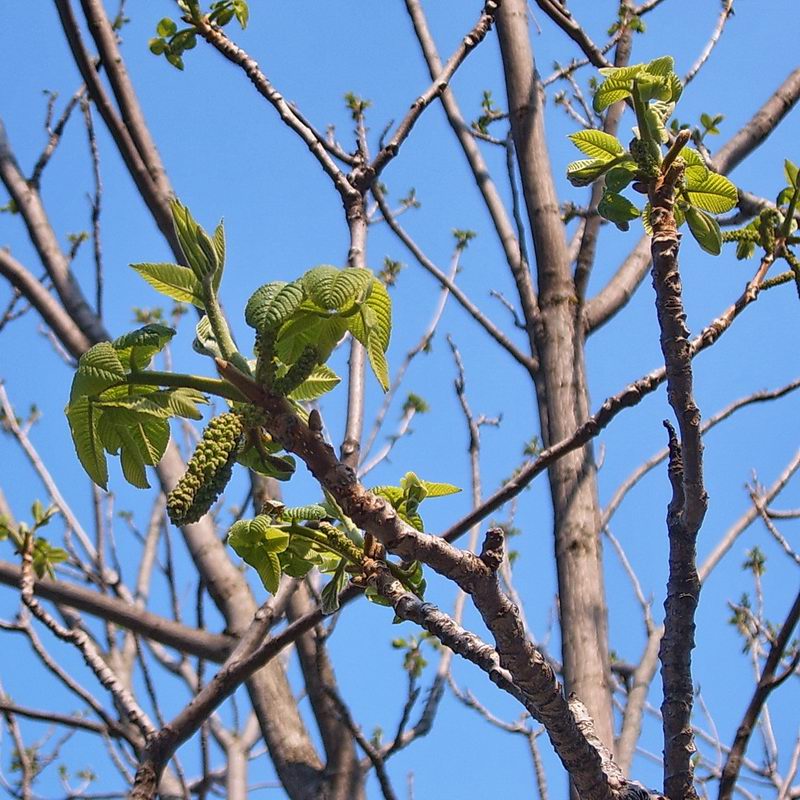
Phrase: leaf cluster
{"type": "Point", "coordinates": [316, 312]}
{"type": "Point", "coordinates": [774, 230]}
{"type": "Point", "coordinates": [44, 555]}
{"type": "Point", "coordinates": [294, 540]}
{"type": "Point", "coordinates": [652, 89]}
{"type": "Point", "coordinates": [406, 498]}
{"type": "Point", "coordinates": [172, 42]}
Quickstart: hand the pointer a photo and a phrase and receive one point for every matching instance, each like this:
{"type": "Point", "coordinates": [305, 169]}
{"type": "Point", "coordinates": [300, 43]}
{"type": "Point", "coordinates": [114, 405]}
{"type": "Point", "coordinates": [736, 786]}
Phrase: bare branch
{"type": "Point", "coordinates": [76, 722]}
{"type": "Point", "coordinates": [725, 14]}
{"type": "Point", "coordinates": [765, 120]}
{"type": "Point", "coordinates": [148, 177]}
{"type": "Point", "coordinates": [440, 82]}
{"type": "Point", "coordinates": [733, 533]}
{"type": "Point", "coordinates": [562, 17]}
{"type": "Point", "coordinates": [54, 137]}
{"type": "Point", "coordinates": [68, 333]}
{"type": "Point", "coordinates": [84, 644]}
{"type": "Point", "coordinates": [654, 460]}
{"type": "Point", "coordinates": [214, 647]}
{"type": "Point", "coordinates": [460, 297]}
{"type": "Point", "coordinates": [512, 246]}
{"type": "Point", "coordinates": [30, 206]}
{"type": "Point", "coordinates": [236, 55]}
{"type": "Point", "coordinates": [689, 499]}
{"type": "Point", "coordinates": [766, 684]}
{"type": "Point", "coordinates": [630, 396]}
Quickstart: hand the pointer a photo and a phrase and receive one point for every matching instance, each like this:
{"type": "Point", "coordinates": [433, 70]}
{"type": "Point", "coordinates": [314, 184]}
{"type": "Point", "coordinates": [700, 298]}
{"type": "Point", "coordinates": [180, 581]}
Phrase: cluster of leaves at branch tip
{"type": "Point", "coordinates": [119, 405]}
{"type": "Point", "coordinates": [653, 90]}
{"type": "Point", "coordinates": [45, 557]}
{"type": "Point", "coordinates": [293, 540]}
{"type": "Point", "coordinates": [172, 42]}
{"type": "Point", "coordinates": [774, 230]}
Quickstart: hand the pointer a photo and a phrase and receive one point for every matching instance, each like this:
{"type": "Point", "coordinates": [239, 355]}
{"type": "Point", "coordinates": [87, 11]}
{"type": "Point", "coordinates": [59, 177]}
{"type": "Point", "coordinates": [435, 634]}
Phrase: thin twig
{"type": "Point", "coordinates": [725, 14]}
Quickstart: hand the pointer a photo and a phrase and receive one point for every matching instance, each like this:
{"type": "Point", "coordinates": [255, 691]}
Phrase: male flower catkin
{"type": "Point", "coordinates": [208, 470]}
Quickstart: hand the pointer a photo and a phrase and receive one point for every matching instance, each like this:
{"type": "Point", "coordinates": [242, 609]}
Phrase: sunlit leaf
{"type": "Point", "coordinates": [174, 281]}
{"type": "Point", "coordinates": [597, 144]}
{"type": "Point", "coordinates": [98, 368]}
{"type": "Point", "coordinates": [83, 418]}
{"type": "Point", "coordinates": [715, 194]}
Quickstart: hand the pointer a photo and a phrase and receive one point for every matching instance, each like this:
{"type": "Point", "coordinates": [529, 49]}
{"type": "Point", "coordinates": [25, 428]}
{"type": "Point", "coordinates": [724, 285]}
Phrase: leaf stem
{"type": "Point", "coordinates": [179, 380]}
{"type": "Point", "coordinates": [219, 324]}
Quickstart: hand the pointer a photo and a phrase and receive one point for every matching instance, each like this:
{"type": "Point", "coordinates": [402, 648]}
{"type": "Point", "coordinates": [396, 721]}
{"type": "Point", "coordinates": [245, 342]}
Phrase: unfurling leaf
{"type": "Point", "coordinates": [617, 209]}
{"type": "Point", "coordinates": [137, 348]}
{"type": "Point", "coordinates": [705, 230]}
{"type": "Point", "coordinates": [98, 368]}
{"type": "Point", "coordinates": [258, 542]}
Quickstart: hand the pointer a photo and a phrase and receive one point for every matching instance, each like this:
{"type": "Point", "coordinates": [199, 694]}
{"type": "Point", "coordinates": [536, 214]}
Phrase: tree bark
{"type": "Point", "coordinates": [561, 387]}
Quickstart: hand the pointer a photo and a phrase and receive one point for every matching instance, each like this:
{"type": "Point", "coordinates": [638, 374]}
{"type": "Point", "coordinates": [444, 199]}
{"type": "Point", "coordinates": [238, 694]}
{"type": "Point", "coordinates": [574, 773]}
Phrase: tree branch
{"type": "Point", "coordinates": [214, 647]}
{"type": "Point", "coordinates": [766, 683]}
{"type": "Point", "coordinates": [437, 88]}
{"type": "Point", "coordinates": [689, 499]}
{"type": "Point", "coordinates": [765, 120]}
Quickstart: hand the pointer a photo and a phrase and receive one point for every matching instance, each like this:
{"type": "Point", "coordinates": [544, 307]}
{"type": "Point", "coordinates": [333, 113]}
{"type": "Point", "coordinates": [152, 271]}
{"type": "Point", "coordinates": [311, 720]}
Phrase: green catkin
{"type": "Point", "coordinates": [208, 471]}
{"type": "Point", "coordinates": [298, 372]}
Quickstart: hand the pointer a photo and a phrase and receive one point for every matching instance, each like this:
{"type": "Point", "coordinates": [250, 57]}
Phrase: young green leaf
{"type": "Point", "coordinates": [705, 230]}
{"type": "Point", "coordinates": [586, 171]}
{"type": "Point", "coordinates": [137, 348]}
{"type": "Point", "coordinates": [329, 598]}
{"type": "Point", "coordinates": [219, 247]}
{"type": "Point", "coordinates": [337, 289]}
{"type": "Point", "coordinates": [597, 144]}
{"type": "Point", "coordinates": [314, 512]}
{"type": "Point", "coordinates": [83, 419]}
{"type": "Point", "coordinates": [377, 359]}
{"type": "Point", "coordinates": [131, 460]}
{"type": "Point", "coordinates": [617, 178]}
{"type": "Point", "coordinates": [273, 304]}
{"type": "Point", "coordinates": [715, 194]}
{"type": "Point", "coordinates": [242, 12]}
{"type": "Point", "coordinates": [272, 466]}
{"type": "Point", "coordinates": [435, 489]}
{"type": "Point", "coordinates": [321, 380]}
{"type": "Point", "coordinates": [617, 86]}
{"type": "Point", "coordinates": [307, 328]}
{"type": "Point", "coordinates": [98, 368]}
{"type": "Point", "coordinates": [696, 170]}
{"type": "Point", "coordinates": [174, 281]}
{"type": "Point", "coordinates": [617, 209]}
{"type": "Point", "coordinates": [258, 542]}
{"type": "Point", "coordinates": [790, 171]}
{"type": "Point", "coordinates": [166, 28]}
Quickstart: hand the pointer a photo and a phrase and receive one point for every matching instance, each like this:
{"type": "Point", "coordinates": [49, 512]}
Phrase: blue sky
{"type": "Point", "coordinates": [228, 156]}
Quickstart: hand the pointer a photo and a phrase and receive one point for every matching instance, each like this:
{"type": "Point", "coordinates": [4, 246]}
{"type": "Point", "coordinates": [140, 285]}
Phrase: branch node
{"type": "Point", "coordinates": [492, 549]}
